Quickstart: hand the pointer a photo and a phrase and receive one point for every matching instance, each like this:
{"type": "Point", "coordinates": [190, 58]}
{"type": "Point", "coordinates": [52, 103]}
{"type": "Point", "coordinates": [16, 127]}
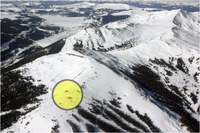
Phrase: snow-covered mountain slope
{"type": "Point", "coordinates": [139, 28]}
{"type": "Point", "coordinates": [97, 85]}
{"type": "Point", "coordinates": [138, 75]}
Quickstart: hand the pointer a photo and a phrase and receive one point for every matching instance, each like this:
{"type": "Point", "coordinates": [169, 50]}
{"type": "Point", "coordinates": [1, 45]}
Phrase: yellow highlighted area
{"type": "Point", "coordinates": [67, 94]}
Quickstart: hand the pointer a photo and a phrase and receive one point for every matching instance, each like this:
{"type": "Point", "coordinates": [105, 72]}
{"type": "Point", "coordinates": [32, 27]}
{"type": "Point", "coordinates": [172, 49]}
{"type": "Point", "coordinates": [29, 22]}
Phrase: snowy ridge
{"type": "Point", "coordinates": [138, 28]}
{"type": "Point", "coordinates": [77, 5]}
{"type": "Point", "coordinates": [112, 6]}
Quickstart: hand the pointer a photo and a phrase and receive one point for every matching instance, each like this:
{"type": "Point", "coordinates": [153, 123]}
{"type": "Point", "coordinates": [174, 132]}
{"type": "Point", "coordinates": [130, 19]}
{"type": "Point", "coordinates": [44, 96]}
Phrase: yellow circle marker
{"type": "Point", "coordinates": [67, 94]}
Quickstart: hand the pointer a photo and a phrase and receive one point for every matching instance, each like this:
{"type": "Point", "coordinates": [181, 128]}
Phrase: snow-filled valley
{"type": "Point", "coordinates": [139, 73]}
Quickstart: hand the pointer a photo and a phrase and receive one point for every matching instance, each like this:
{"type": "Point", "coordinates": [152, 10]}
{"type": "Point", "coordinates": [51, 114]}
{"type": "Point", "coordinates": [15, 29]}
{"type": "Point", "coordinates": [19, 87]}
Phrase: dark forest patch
{"type": "Point", "coordinates": [103, 125]}
{"type": "Point", "coordinates": [195, 76]}
{"type": "Point", "coordinates": [74, 126]}
{"type": "Point", "coordinates": [55, 128]}
{"type": "Point", "coordinates": [111, 18]}
{"type": "Point", "coordinates": [16, 92]}
{"type": "Point", "coordinates": [145, 119]}
{"type": "Point", "coordinates": [163, 63]}
{"type": "Point", "coordinates": [181, 66]}
{"type": "Point", "coordinates": [5, 38]}
{"type": "Point", "coordinates": [148, 79]}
